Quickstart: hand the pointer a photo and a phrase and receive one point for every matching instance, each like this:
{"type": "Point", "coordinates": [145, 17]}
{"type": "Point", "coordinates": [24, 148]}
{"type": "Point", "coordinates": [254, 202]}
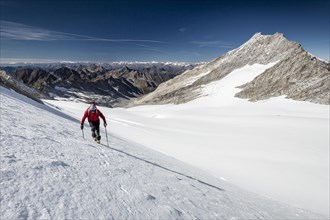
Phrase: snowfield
{"type": "Point", "coordinates": [48, 171]}
{"type": "Point", "coordinates": [217, 157]}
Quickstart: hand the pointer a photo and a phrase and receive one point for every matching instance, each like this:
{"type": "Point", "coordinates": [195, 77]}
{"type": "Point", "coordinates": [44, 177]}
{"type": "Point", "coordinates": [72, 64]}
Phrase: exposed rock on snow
{"type": "Point", "coordinates": [300, 77]}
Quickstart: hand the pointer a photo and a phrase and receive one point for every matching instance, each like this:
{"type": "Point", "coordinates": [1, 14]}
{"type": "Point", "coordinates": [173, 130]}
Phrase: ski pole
{"type": "Point", "coordinates": [106, 134]}
{"type": "Point", "coordinates": [82, 131]}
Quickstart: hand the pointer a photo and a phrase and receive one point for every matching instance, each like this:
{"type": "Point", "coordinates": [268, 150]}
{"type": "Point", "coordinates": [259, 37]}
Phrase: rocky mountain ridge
{"type": "Point", "coordinates": [107, 85]}
{"type": "Point", "coordinates": [296, 75]}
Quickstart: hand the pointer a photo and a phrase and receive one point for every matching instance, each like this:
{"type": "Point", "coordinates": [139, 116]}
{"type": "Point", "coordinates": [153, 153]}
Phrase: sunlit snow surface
{"type": "Point", "coordinates": [278, 148]}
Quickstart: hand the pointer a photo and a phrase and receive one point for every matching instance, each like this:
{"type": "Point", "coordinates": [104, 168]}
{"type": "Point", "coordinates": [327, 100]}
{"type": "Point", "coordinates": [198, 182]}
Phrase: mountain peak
{"type": "Point", "coordinates": [296, 74]}
{"type": "Point", "coordinates": [260, 35]}
{"type": "Point", "coordinates": [267, 41]}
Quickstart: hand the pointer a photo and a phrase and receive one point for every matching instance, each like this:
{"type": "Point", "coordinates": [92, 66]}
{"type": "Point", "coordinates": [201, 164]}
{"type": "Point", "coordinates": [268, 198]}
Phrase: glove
{"type": "Point", "coordinates": [105, 124]}
{"type": "Point", "coordinates": [81, 126]}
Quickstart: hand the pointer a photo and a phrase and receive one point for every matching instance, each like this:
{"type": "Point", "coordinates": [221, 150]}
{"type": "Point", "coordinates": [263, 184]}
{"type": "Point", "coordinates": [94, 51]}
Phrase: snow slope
{"type": "Point", "coordinates": [48, 171]}
{"type": "Point", "coordinates": [278, 148]}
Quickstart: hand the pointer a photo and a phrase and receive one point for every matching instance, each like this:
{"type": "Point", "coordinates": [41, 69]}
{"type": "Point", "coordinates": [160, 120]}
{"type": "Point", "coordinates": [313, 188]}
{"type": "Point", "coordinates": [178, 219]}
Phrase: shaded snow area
{"type": "Point", "coordinates": [48, 171]}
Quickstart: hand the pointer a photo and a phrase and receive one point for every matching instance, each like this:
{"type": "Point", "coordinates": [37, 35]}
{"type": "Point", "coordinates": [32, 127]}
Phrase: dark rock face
{"type": "Point", "coordinates": [300, 78]}
{"type": "Point", "coordinates": [7, 81]}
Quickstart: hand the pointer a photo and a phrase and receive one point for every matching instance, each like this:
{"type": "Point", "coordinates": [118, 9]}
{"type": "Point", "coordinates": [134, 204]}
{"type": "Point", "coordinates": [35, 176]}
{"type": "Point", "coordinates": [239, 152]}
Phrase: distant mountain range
{"type": "Point", "coordinates": [297, 74]}
{"type": "Point", "coordinates": [107, 84]}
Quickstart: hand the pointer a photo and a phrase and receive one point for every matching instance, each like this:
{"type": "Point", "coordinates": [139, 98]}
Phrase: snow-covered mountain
{"type": "Point", "coordinates": [296, 74]}
{"type": "Point", "coordinates": [49, 171]}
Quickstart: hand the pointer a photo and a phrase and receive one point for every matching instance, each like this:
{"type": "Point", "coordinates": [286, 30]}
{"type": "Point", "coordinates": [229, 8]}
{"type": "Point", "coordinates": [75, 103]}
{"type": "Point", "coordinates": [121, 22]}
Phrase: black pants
{"type": "Point", "coordinates": [95, 127]}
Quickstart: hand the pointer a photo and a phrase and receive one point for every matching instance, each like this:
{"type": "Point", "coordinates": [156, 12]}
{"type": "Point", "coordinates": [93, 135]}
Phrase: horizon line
{"type": "Point", "coordinates": [17, 61]}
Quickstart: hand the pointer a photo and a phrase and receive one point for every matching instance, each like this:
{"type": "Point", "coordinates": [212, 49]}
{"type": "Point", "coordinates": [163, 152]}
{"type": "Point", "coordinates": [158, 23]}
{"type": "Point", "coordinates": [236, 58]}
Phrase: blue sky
{"type": "Point", "coordinates": [151, 30]}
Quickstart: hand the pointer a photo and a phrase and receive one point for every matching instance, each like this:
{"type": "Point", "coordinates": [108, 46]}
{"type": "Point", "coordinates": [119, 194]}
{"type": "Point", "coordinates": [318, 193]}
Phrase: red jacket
{"type": "Point", "coordinates": [92, 116]}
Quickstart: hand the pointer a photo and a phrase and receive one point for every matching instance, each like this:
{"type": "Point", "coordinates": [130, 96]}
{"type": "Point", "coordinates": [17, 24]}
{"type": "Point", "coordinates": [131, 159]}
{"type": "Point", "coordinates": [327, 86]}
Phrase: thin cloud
{"type": "Point", "coordinates": [183, 29]}
{"type": "Point", "coordinates": [220, 44]}
{"type": "Point", "coordinates": [17, 31]}
{"type": "Point", "coordinates": [151, 48]}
